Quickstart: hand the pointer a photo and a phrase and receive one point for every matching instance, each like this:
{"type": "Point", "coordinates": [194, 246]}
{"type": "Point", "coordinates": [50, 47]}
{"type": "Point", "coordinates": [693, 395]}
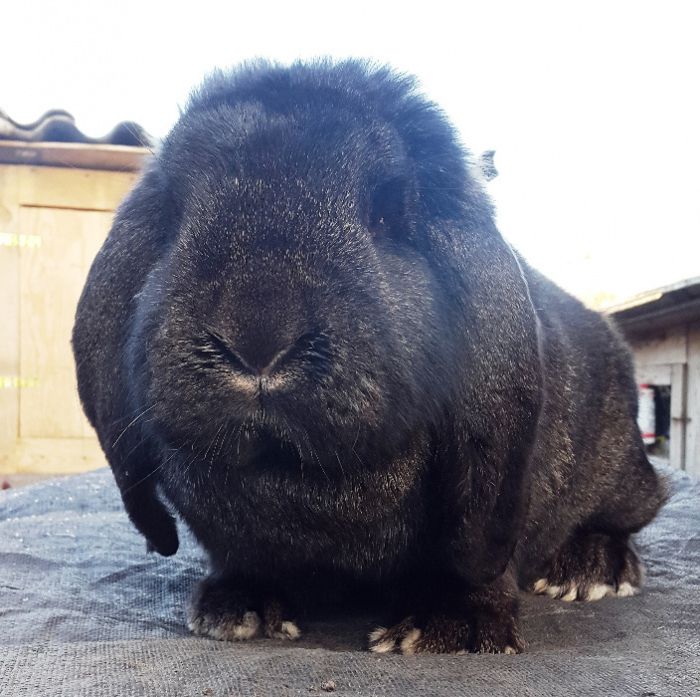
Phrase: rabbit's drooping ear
{"type": "Point", "coordinates": [494, 420]}
{"type": "Point", "coordinates": [144, 507]}
{"type": "Point", "coordinates": [152, 520]}
{"type": "Point", "coordinates": [104, 321]}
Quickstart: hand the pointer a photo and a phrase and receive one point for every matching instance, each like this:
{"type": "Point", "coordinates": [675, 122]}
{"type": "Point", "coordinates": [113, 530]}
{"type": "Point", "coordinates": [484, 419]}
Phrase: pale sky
{"type": "Point", "coordinates": [593, 107]}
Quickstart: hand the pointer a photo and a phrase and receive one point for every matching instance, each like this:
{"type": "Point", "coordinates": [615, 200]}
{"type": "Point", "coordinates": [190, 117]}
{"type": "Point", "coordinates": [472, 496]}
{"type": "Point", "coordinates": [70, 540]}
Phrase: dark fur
{"type": "Point", "coordinates": [438, 418]}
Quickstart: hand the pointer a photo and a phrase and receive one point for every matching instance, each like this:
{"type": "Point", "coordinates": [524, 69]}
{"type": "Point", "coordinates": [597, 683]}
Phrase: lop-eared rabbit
{"type": "Point", "coordinates": [305, 336]}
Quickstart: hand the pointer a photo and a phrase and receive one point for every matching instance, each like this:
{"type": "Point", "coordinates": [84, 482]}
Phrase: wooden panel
{"type": "Point", "coordinates": [53, 456]}
{"type": "Point", "coordinates": [672, 347]}
{"type": "Point", "coordinates": [73, 188]}
{"type": "Point", "coordinates": [9, 305]}
{"type": "Point", "coordinates": [692, 460]}
{"type": "Point", "coordinates": [52, 276]}
{"type": "Point", "coordinates": [653, 374]}
{"type": "Point", "coordinates": [39, 287]}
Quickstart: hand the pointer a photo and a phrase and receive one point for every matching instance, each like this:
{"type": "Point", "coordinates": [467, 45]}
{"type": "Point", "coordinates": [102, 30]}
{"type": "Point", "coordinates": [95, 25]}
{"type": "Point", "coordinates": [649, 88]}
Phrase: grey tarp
{"type": "Point", "coordinates": [85, 611]}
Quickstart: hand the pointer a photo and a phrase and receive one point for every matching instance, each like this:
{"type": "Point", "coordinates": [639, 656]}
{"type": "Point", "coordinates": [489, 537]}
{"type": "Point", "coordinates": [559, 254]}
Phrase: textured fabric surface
{"type": "Point", "coordinates": [85, 611]}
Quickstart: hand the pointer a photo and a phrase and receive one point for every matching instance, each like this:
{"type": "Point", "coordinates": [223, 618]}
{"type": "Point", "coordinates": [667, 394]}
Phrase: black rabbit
{"type": "Point", "coordinates": [305, 334]}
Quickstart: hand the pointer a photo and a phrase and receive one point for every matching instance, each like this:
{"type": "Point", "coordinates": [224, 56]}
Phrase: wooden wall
{"type": "Point", "coordinates": [52, 222]}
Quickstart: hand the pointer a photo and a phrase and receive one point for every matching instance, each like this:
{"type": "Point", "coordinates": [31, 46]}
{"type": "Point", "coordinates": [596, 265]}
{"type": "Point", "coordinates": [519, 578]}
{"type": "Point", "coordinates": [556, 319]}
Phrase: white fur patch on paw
{"type": "Point", "coordinates": [595, 592]}
{"type": "Point", "coordinates": [626, 590]}
{"type": "Point", "coordinates": [377, 634]}
{"type": "Point", "coordinates": [571, 594]}
{"type": "Point", "coordinates": [408, 645]}
{"type": "Point", "coordinates": [540, 586]}
{"type": "Point", "coordinates": [510, 650]}
{"type": "Point", "coordinates": [553, 591]}
{"type": "Point", "coordinates": [379, 641]}
{"type": "Point", "coordinates": [598, 591]}
{"type": "Point", "coordinates": [567, 593]}
{"type": "Point", "coordinates": [288, 631]}
{"type": "Point", "coordinates": [226, 629]}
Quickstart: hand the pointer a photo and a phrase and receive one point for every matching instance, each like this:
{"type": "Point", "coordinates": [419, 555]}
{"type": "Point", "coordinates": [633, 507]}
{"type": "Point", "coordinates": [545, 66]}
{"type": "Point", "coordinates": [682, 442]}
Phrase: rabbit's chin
{"type": "Point", "coordinates": [261, 447]}
{"type": "Point", "coordinates": [252, 445]}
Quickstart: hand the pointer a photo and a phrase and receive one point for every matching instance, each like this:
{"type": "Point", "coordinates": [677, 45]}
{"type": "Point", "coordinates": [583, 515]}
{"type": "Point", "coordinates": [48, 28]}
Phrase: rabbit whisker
{"type": "Point", "coordinates": [337, 457]}
{"type": "Point", "coordinates": [307, 443]}
{"type": "Point", "coordinates": [131, 423]}
{"type": "Point", "coordinates": [213, 441]}
{"type": "Point", "coordinates": [152, 472]}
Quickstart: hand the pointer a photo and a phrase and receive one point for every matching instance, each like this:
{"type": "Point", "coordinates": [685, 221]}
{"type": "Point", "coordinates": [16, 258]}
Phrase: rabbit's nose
{"type": "Point", "coordinates": [262, 358]}
{"type": "Point", "coordinates": [257, 359]}
{"type": "Point", "coordinates": [311, 351]}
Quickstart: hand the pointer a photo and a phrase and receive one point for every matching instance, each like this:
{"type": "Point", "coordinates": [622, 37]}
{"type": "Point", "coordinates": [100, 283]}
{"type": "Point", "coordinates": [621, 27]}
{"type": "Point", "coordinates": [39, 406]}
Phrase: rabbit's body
{"type": "Point", "coordinates": [589, 469]}
{"type": "Point", "coordinates": [305, 332]}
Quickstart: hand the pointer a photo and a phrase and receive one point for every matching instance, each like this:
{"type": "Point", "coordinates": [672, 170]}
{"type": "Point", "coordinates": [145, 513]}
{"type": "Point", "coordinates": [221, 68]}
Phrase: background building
{"type": "Point", "coordinates": [663, 328]}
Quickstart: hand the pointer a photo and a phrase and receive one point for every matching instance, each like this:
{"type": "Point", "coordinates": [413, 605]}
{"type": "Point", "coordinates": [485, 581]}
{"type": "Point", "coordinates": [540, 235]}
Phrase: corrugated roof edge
{"type": "Point", "coordinates": [58, 126]}
{"type": "Point", "coordinates": [651, 296]}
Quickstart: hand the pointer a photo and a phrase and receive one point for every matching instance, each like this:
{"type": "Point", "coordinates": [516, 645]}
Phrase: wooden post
{"type": "Point", "coordinates": [692, 451]}
{"type": "Point", "coordinates": [679, 414]}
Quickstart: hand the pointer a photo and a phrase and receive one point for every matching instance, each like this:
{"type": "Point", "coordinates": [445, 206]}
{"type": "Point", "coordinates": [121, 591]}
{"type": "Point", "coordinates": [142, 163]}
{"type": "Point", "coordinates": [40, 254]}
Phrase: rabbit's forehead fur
{"type": "Point", "coordinates": [283, 310]}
